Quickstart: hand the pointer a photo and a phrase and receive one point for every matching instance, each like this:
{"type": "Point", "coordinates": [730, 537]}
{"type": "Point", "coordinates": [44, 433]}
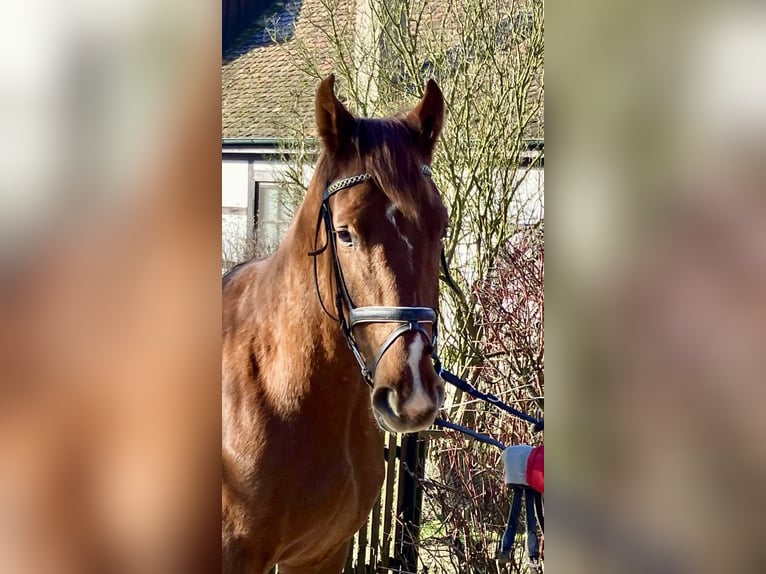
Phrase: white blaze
{"type": "Point", "coordinates": [391, 216]}
{"type": "Point", "coordinates": [419, 400]}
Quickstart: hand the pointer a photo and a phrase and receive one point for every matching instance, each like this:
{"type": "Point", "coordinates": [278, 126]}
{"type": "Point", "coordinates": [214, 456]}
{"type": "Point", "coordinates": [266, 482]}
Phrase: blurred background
{"type": "Point", "coordinates": [655, 286]}
{"type": "Point", "coordinates": [109, 287]}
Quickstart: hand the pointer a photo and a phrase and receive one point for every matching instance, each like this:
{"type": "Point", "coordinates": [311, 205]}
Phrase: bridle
{"type": "Point", "coordinates": [409, 319]}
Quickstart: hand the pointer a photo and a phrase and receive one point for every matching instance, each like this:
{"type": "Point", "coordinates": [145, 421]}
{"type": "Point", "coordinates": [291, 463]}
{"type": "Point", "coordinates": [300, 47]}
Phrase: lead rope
{"type": "Point", "coordinates": [537, 423]}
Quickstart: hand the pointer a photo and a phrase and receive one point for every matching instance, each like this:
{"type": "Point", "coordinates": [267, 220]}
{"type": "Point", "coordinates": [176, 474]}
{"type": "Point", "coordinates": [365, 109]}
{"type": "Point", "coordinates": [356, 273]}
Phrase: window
{"type": "Point", "coordinates": [271, 215]}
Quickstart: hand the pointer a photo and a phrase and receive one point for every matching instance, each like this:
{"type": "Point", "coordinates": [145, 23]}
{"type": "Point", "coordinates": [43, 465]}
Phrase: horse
{"type": "Point", "coordinates": [349, 297]}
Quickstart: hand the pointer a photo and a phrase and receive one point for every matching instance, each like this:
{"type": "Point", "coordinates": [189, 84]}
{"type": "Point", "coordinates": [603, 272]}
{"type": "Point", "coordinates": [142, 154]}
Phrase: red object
{"type": "Point", "coordinates": [535, 469]}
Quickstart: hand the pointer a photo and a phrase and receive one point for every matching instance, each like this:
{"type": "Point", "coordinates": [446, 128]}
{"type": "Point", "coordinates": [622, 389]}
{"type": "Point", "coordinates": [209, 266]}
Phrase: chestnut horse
{"type": "Point", "coordinates": [348, 297]}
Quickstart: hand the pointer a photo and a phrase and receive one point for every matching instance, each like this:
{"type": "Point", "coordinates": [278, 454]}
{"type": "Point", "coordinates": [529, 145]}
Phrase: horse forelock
{"type": "Point", "coordinates": [388, 152]}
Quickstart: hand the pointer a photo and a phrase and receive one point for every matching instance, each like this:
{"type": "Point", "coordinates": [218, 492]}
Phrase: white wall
{"type": "Point", "coordinates": [234, 194]}
{"type": "Point", "coordinates": [530, 197]}
{"type": "Point", "coordinates": [234, 183]}
{"type": "Point", "coordinates": [238, 179]}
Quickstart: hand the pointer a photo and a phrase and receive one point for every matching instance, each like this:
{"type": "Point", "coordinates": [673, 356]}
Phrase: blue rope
{"type": "Point", "coordinates": [468, 388]}
{"type": "Point", "coordinates": [472, 433]}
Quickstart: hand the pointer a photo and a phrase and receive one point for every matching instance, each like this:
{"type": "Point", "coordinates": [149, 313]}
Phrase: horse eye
{"type": "Point", "coordinates": [344, 236]}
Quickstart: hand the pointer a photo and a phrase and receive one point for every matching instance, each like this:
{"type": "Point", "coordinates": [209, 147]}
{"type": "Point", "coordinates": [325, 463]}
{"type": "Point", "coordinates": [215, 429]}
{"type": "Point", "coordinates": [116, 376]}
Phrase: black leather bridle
{"type": "Point", "coordinates": [408, 318]}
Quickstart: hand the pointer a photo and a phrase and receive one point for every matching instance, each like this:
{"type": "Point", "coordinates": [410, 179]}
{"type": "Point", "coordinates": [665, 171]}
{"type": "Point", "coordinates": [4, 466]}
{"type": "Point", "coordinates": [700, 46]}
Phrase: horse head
{"type": "Point", "coordinates": [384, 221]}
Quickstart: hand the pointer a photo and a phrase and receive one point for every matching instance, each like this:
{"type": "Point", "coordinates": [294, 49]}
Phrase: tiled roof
{"type": "Point", "coordinates": [265, 94]}
{"type": "Point", "coordinates": [261, 86]}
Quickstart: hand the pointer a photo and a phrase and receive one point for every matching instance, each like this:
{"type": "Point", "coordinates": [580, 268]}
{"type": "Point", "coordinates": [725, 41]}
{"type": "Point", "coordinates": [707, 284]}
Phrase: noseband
{"type": "Point", "coordinates": [408, 318]}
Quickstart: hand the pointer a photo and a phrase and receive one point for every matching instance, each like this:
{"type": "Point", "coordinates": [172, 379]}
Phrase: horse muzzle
{"type": "Point", "coordinates": [394, 410]}
{"type": "Point", "coordinates": [384, 401]}
{"type": "Point", "coordinates": [411, 415]}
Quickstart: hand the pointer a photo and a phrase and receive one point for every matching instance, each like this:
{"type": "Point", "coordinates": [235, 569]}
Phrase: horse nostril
{"type": "Point", "coordinates": [384, 400]}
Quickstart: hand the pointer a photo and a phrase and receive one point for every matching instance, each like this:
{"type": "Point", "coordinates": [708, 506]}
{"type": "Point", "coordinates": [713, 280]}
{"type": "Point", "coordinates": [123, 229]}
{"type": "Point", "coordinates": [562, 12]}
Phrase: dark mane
{"type": "Point", "coordinates": [230, 273]}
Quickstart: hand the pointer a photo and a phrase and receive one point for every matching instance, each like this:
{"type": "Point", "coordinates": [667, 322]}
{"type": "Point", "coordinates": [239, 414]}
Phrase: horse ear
{"type": "Point", "coordinates": [335, 124]}
{"type": "Point", "coordinates": [427, 118]}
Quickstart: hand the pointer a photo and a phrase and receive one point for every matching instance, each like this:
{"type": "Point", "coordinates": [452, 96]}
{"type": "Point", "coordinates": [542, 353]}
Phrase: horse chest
{"type": "Point", "coordinates": [332, 478]}
{"type": "Point", "coordinates": [341, 494]}
{"type": "Point", "coordinates": [306, 483]}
